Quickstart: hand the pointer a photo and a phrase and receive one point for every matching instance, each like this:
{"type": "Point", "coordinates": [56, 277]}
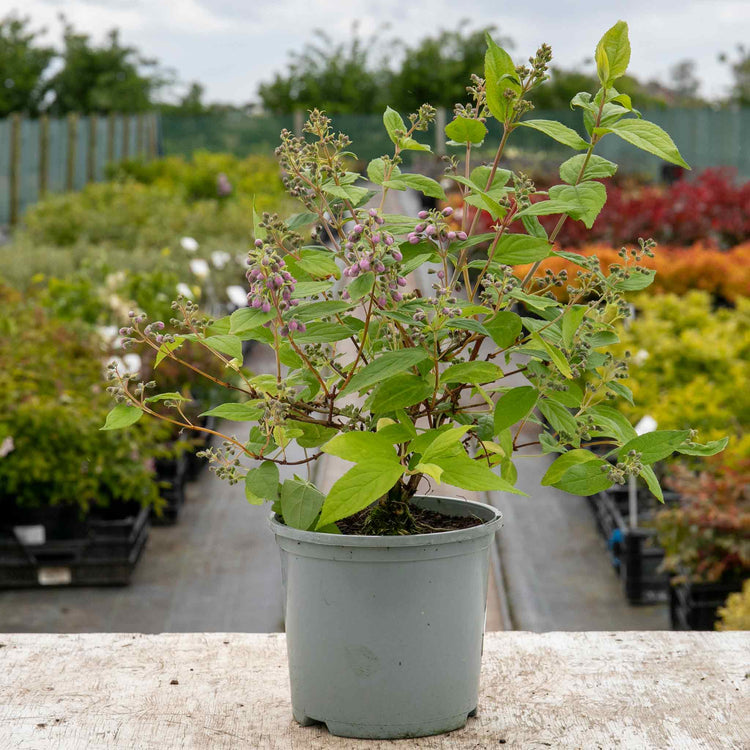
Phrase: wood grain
{"type": "Point", "coordinates": [560, 690]}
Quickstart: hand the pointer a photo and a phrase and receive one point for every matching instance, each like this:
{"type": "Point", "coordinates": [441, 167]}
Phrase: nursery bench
{"type": "Point", "coordinates": [214, 690]}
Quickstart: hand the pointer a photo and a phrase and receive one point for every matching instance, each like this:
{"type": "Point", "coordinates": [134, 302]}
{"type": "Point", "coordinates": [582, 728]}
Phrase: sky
{"type": "Point", "coordinates": [231, 46]}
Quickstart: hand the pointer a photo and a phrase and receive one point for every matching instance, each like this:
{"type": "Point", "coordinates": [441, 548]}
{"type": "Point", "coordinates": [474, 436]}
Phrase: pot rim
{"type": "Point", "coordinates": [488, 527]}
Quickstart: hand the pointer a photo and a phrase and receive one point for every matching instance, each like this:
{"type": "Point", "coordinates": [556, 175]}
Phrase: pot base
{"type": "Point", "coordinates": [390, 732]}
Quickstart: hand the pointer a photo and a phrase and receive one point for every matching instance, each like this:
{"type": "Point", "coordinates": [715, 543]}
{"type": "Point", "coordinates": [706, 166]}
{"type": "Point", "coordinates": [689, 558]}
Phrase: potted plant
{"type": "Point", "coordinates": [705, 539]}
{"type": "Point", "coordinates": [74, 505]}
{"type": "Point", "coordinates": [385, 585]}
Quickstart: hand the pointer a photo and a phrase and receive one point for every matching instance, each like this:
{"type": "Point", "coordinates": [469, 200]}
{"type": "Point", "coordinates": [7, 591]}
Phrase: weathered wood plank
{"type": "Point", "coordinates": [561, 690]}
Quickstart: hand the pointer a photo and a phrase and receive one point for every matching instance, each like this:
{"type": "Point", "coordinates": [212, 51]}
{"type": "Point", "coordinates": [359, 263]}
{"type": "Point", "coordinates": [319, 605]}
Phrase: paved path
{"type": "Point", "coordinates": [555, 566]}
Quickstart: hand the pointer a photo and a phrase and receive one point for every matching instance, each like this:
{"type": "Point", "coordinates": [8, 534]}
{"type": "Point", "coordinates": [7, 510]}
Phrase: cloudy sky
{"type": "Point", "coordinates": [232, 45]}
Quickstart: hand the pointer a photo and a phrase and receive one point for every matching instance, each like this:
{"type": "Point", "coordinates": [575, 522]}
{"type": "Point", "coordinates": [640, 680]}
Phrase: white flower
{"type": "Point", "coordinates": [6, 446]}
{"type": "Point", "coordinates": [647, 424]}
{"type": "Point", "coordinates": [199, 267]}
{"type": "Point", "coordinates": [640, 356]}
{"type": "Point", "coordinates": [189, 244]}
{"type": "Point", "coordinates": [237, 296]}
{"type": "Point", "coordinates": [184, 290]}
{"type": "Point", "coordinates": [132, 363]}
{"type": "Point", "coordinates": [219, 258]}
{"type": "Point", "coordinates": [108, 333]}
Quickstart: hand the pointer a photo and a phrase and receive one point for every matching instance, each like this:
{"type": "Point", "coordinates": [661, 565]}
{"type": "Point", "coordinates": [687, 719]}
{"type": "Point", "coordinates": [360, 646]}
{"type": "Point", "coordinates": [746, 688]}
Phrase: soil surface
{"type": "Point", "coordinates": [428, 520]}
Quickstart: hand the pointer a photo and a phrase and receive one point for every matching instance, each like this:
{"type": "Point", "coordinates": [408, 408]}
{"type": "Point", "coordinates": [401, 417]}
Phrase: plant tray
{"type": "Point", "coordinates": [171, 474]}
{"type": "Point", "coordinates": [46, 549]}
{"type": "Point", "coordinates": [634, 556]}
{"type": "Point", "coordinates": [693, 606]}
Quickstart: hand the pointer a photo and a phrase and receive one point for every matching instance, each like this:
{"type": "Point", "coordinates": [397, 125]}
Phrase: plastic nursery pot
{"type": "Point", "coordinates": [384, 634]}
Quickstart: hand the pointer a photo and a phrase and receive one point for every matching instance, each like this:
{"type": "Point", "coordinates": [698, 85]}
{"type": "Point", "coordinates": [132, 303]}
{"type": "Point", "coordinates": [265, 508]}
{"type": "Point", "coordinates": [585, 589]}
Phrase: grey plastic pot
{"type": "Point", "coordinates": [384, 634]}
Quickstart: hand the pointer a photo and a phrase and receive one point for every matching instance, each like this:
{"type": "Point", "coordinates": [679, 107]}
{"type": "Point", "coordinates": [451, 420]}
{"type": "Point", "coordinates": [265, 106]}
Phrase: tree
{"type": "Point", "coordinates": [684, 82]}
{"type": "Point", "coordinates": [107, 78]}
{"type": "Point", "coordinates": [22, 66]}
{"type": "Point", "coordinates": [437, 69]}
{"type": "Point", "coordinates": [740, 93]}
{"type": "Point", "coordinates": [334, 77]}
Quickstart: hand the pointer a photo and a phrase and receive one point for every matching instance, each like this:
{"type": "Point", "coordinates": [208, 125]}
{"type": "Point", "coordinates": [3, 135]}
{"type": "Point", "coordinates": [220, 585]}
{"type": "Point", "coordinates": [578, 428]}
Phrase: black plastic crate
{"type": "Point", "coordinates": [53, 547]}
{"type": "Point", "coordinates": [641, 559]}
{"type": "Point", "coordinates": [694, 606]}
{"type": "Point", "coordinates": [171, 475]}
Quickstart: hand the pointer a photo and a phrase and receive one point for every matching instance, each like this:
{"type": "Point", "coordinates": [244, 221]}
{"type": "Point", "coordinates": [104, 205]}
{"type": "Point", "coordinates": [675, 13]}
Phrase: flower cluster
{"type": "Point", "coordinates": [434, 227]}
{"type": "Point", "coordinates": [368, 248]}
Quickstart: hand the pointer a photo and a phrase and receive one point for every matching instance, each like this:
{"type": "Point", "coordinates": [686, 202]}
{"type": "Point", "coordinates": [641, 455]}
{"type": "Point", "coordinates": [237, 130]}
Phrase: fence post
{"type": "Point", "coordinates": [151, 154]}
{"type": "Point", "coordinates": [91, 150]}
{"type": "Point", "coordinates": [70, 166]}
{"type": "Point", "coordinates": [440, 131]}
{"type": "Point", "coordinates": [139, 135]}
{"type": "Point", "coordinates": [110, 137]}
{"type": "Point", "coordinates": [125, 137]}
{"type": "Point", "coordinates": [15, 167]}
{"type": "Point", "coordinates": [43, 154]}
{"type": "Point", "coordinates": [299, 122]}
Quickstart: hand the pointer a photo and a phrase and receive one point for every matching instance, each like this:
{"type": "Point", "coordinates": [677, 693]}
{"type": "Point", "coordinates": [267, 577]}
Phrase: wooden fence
{"type": "Point", "coordinates": [39, 156]}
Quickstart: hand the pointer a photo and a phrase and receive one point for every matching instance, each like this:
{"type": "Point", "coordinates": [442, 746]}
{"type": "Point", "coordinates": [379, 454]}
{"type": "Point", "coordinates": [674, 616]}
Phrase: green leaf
{"type": "Point", "coordinates": [472, 372]}
{"type": "Point", "coordinates": [247, 318]}
{"type": "Point", "coordinates": [321, 309]}
{"type": "Point", "coordinates": [648, 136]}
{"type": "Point", "coordinates": [345, 192]}
{"type": "Point", "coordinates": [621, 390]}
{"type": "Point", "coordinates": [167, 348]}
{"type": "Point", "coordinates": [235, 412]}
{"type": "Point", "coordinates": [636, 281]}
{"type": "Point", "coordinates": [310, 288]}
{"type": "Point", "coordinates": [655, 446]}
{"type": "Point", "coordinates": [480, 177]}
{"type": "Point", "coordinates": [319, 332]}
{"type": "Point", "coordinates": [514, 406]}
{"type": "Point", "coordinates": [121, 416]}
{"type": "Point", "coordinates": [360, 446]}
{"type": "Point", "coordinates": [534, 300]}
{"type": "Point", "coordinates": [173, 396]}
{"type": "Point", "coordinates": [611, 422]}
{"type": "Point", "coordinates": [504, 328]}
{"type": "Point", "coordinates": [361, 286]}
{"type": "Point", "coordinates": [470, 474]}
{"type": "Point", "coordinates": [554, 354]}
{"type": "Point", "coordinates": [419, 182]}
{"type": "Point", "coordinates": [596, 168]}
{"type": "Point", "coordinates": [409, 144]}
{"type": "Point", "coordinates": [571, 321]}
{"type": "Point", "coordinates": [376, 171]}
{"type": "Point", "coordinates": [559, 417]}
{"type": "Point", "coordinates": [534, 227]}
{"type": "Point", "coordinates": [465, 130]}
{"type": "Point", "coordinates": [499, 75]}
{"type": "Point", "coordinates": [516, 249]}
{"type": "Point", "coordinates": [226, 344]}
{"type": "Point", "coordinates": [383, 367]}
{"type": "Point", "coordinates": [300, 503]}
{"type": "Point", "coordinates": [652, 482]}
{"type": "Point", "coordinates": [262, 483]}
{"type": "Point", "coordinates": [258, 232]}
{"type": "Point", "coordinates": [689, 448]}
{"type": "Point", "coordinates": [300, 220]}
{"type": "Point", "coordinates": [393, 122]}
{"type": "Point", "coordinates": [312, 435]}
{"type": "Point", "coordinates": [585, 478]}
{"type": "Point", "coordinates": [400, 391]}
{"type": "Point", "coordinates": [616, 48]}
{"type": "Point", "coordinates": [467, 324]}
{"type": "Point", "coordinates": [586, 198]}
{"type": "Point", "coordinates": [438, 444]}
{"type": "Point", "coordinates": [572, 396]}
{"type": "Point", "coordinates": [318, 264]}
{"type": "Point", "coordinates": [257, 441]}
{"type": "Point", "coordinates": [557, 131]}
{"type": "Point", "coordinates": [358, 488]}
{"type": "Point", "coordinates": [561, 465]}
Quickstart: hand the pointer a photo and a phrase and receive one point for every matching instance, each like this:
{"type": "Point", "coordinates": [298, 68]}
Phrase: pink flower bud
{"type": "Point", "coordinates": [397, 256]}
{"type": "Point", "coordinates": [423, 214]}
{"type": "Point", "coordinates": [266, 307]}
{"type": "Point", "coordinates": [430, 231]}
{"type": "Point", "coordinates": [462, 236]}
{"type": "Point", "coordinates": [447, 211]}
